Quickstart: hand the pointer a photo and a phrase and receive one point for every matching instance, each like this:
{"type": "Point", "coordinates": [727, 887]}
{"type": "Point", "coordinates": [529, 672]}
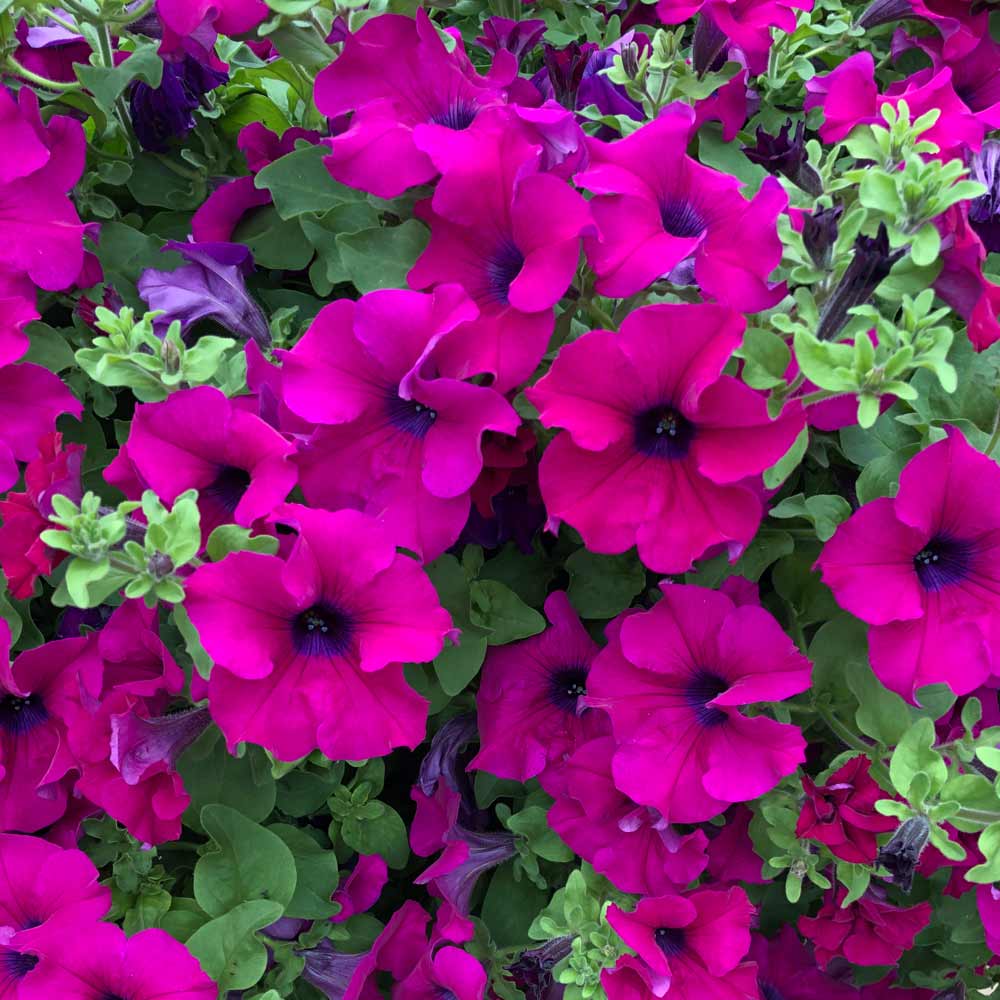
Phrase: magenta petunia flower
{"type": "Point", "coordinates": [467, 855]}
{"type": "Point", "coordinates": [673, 679]}
{"type": "Point", "coordinates": [101, 962]}
{"type": "Point", "coordinates": [686, 947]}
{"type": "Point", "coordinates": [988, 904]}
{"type": "Point", "coordinates": [509, 234]}
{"type": "Point", "coordinates": [868, 932]}
{"type": "Point", "coordinates": [661, 450]}
{"type": "Point", "coordinates": [307, 650]}
{"type": "Point", "coordinates": [731, 856]}
{"type": "Point", "coordinates": [360, 891]}
{"type": "Point", "coordinates": [975, 75]}
{"type": "Point", "coordinates": [656, 207]}
{"type": "Point", "coordinates": [630, 844]}
{"type": "Point", "coordinates": [31, 398]}
{"type": "Point", "coordinates": [39, 693]}
{"type": "Point", "coordinates": [786, 970]}
{"type": "Point", "coordinates": [17, 309]}
{"type": "Point", "coordinates": [407, 431]}
{"type": "Point", "coordinates": [228, 17]}
{"type": "Point", "coordinates": [960, 23]}
{"type": "Point", "coordinates": [922, 569]}
{"type": "Point", "coordinates": [199, 439]}
{"type": "Point", "coordinates": [404, 88]}
{"type": "Point", "coordinates": [529, 707]}
{"type": "Point", "coordinates": [42, 888]}
{"type": "Point", "coordinates": [444, 972]}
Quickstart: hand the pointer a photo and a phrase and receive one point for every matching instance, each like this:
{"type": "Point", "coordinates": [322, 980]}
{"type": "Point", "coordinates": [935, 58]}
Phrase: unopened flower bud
{"type": "Point", "coordinates": [170, 355]}
{"type": "Point", "coordinates": [901, 854]}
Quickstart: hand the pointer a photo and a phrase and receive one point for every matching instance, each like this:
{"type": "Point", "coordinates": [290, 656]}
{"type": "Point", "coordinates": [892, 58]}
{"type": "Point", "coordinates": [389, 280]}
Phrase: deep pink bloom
{"type": "Point", "coordinates": [868, 932]}
{"type": "Point", "coordinates": [786, 970]}
{"type": "Point", "coordinates": [404, 88]}
{"type": "Point", "coordinates": [746, 23]}
{"type": "Point", "coordinates": [509, 234]}
{"type": "Point", "coordinates": [39, 693]}
{"type": "Point", "coordinates": [228, 17]}
{"type": "Point", "coordinates": [922, 569]}
{"type": "Point", "coordinates": [731, 856]}
{"type": "Point", "coordinates": [731, 105]}
{"type": "Point", "coordinates": [43, 235]}
{"type": "Point", "coordinates": [841, 813]}
{"type": "Point", "coordinates": [960, 24]}
{"type": "Point", "coordinates": [199, 439]}
{"type": "Point", "coordinates": [360, 891]}
{"type": "Point", "coordinates": [467, 855]}
{"type": "Point", "coordinates": [50, 50]}
{"type": "Point", "coordinates": [17, 309]}
{"type": "Point", "coordinates": [529, 707]}
{"type": "Point", "coordinates": [31, 398]}
{"type": "Point", "coordinates": [888, 989]}
{"type": "Point", "coordinates": [673, 679]}
{"type": "Point", "coordinates": [630, 844]}
{"type": "Point", "coordinates": [406, 430]}
{"type": "Point", "coordinates": [444, 972]}
{"type": "Point", "coordinates": [102, 962]}
{"type": "Point", "coordinates": [656, 207]}
{"type": "Point", "coordinates": [661, 450]}
{"type": "Point", "coordinates": [988, 903]}
{"type": "Point", "coordinates": [23, 555]}
{"type": "Point", "coordinates": [975, 75]}
{"type": "Point", "coordinates": [687, 947]}
{"type": "Point", "coordinates": [308, 650]}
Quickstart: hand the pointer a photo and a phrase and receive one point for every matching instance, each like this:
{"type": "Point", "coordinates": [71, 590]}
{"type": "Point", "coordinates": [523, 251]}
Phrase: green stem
{"type": "Point", "coordinates": [40, 81]}
{"type": "Point", "coordinates": [855, 742]}
{"type": "Point", "coordinates": [820, 395]}
{"type": "Point", "coordinates": [133, 15]}
{"type": "Point", "coordinates": [598, 314]}
{"type": "Point", "coordinates": [62, 22]}
{"type": "Point", "coordinates": [978, 816]}
{"type": "Point", "coordinates": [995, 436]}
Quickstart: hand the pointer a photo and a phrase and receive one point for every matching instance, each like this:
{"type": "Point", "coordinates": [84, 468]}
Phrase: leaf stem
{"type": "Point", "coordinates": [855, 742]}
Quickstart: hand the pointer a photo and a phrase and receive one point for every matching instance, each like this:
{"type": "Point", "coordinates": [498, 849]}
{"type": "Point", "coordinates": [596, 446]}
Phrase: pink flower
{"type": "Point", "coordinates": [672, 679]}
{"type": "Point", "coordinates": [102, 962]}
{"type": "Point", "coordinates": [787, 970]}
{"type": "Point", "coordinates": [687, 947]}
{"type": "Point", "coordinates": [404, 88]}
{"type": "Point", "coordinates": [199, 439]}
{"type": "Point", "coordinates": [975, 75]}
{"type": "Point", "coordinates": [920, 568]}
{"type": "Point", "coordinates": [841, 813]}
{"type": "Point", "coordinates": [960, 24]}
{"type": "Point", "coordinates": [661, 450]}
{"type": "Point", "coordinates": [23, 555]}
{"type": "Point", "coordinates": [988, 903]}
{"type": "Point", "coordinates": [630, 844]}
{"type": "Point", "coordinates": [31, 398]}
{"type": "Point", "coordinates": [731, 856]}
{"type": "Point", "coordinates": [228, 17]}
{"type": "Point", "coordinates": [467, 855]}
{"type": "Point", "coordinates": [655, 207]}
{"type": "Point", "coordinates": [39, 692]}
{"type": "Point", "coordinates": [307, 650]}
{"type": "Point", "coordinates": [529, 707]}
{"type": "Point", "coordinates": [406, 429]}
{"type": "Point", "coordinates": [868, 932]}
{"type": "Point", "coordinates": [17, 309]}
{"type": "Point", "coordinates": [360, 891]}
{"type": "Point", "coordinates": [444, 972]}
{"type": "Point", "coordinates": [509, 234]}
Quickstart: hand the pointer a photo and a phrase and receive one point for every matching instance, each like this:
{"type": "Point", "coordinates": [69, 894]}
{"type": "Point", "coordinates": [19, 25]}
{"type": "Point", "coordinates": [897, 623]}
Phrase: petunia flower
{"type": "Point", "coordinates": [922, 569]}
{"type": "Point", "coordinates": [841, 813]}
{"type": "Point", "coordinates": [405, 429]}
{"type": "Point", "coordinates": [199, 439]}
{"type": "Point", "coordinates": [868, 932]}
{"type": "Point", "coordinates": [404, 88]}
{"type": "Point", "coordinates": [17, 310]}
{"type": "Point", "coordinates": [50, 49]}
{"type": "Point", "coordinates": [444, 972]}
{"type": "Point", "coordinates": [228, 17]}
{"type": "Point", "coordinates": [360, 891]}
{"type": "Point", "coordinates": [655, 207]}
{"type": "Point", "coordinates": [630, 844]}
{"type": "Point", "coordinates": [731, 854]}
{"type": "Point", "coordinates": [988, 904]}
{"type": "Point", "coordinates": [673, 679]}
{"type": "Point", "coordinates": [961, 25]}
{"type": "Point", "coordinates": [686, 947]}
{"type": "Point", "coordinates": [786, 970]}
{"type": "Point", "coordinates": [308, 650]}
{"type": "Point", "coordinates": [529, 702]}
{"type": "Point", "coordinates": [660, 450]}
{"type": "Point", "coordinates": [210, 286]}
{"type": "Point", "coordinates": [23, 555]}
{"type": "Point", "coordinates": [509, 234]}
{"type": "Point", "coordinates": [984, 211]}
{"type": "Point", "coordinates": [467, 855]}
{"type": "Point", "coordinates": [517, 37]}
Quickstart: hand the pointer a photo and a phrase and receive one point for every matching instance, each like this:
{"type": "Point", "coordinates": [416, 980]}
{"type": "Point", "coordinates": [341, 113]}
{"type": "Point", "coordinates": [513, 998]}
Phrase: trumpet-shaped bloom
{"type": "Point", "coordinates": [786, 970]}
{"type": "Point", "coordinates": [405, 429]}
{"type": "Point", "coordinates": [307, 650]}
{"type": "Point", "coordinates": [673, 679]}
{"type": "Point", "coordinates": [509, 234]}
{"type": "Point", "coordinates": [923, 569]}
{"type": "Point", "coordinates": [660, 449]}
{"type": "Point", "coordinates": [630, 844]}
{"type": "Point", "coordinates": [405, 88]}
{"type": "Point", "coordinates": [655, 208]}
{"type": "Point", "coordinates": [228, 17]}
{"type": "Point", "coordinates": [686, 947]}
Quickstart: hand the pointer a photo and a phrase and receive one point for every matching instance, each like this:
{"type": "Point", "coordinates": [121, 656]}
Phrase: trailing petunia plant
{"type": "Point", "coordinates": [499, 499]}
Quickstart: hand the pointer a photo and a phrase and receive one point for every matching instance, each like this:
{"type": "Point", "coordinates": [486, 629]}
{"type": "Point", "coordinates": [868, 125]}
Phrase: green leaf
{"type": "Point", "coordinates": [856, 879]}
{"type": "Point", "coordinates": [926, 245]}
{"type": "Point", "coordinates": [767, 547]}
{"type": "Point", "coordinates": [499, 610]}
{"type": "Point", "coordinates": [233, 538]}
{"type": "Point", "coordinates": [824, 510]}
{"type": "Point", "coordinates": [601, 586]}
{"type": "Point", "coordinates": [881, 713]}
{"type": "Point", "coordinates": [830, 366]}
{"type": "Point", "coordinates": [789, 462]}
{"type": "Point", "coordinates": [275, 242]}
{"type": "Point", "coordinates": [228, 949]}
{"type": "Point", "coordinates": [878, 191]}
{"type": "Point", "coordinates": [456, 666]}
{"type": "Point", "coordinates": [970, 791]}
{"type": "Point", "coordinates": [916, 753]}
{"type": "Point", "coordinates": [381, 258]}
{"type": "Point", "coordinates": [107, 84]}
{"type": "Point", "coordinates": [510, 906]}
{"type": "Point", "coordinates": [989, 845]}
{"type": "Point", "coordinates": [384, 834]}
{"type": "Point", "coordinates": [49, 347]}
{"type": "Point", "coordinates": [317, 875]}
{"type": "Point", "coordinates": [300, 183]}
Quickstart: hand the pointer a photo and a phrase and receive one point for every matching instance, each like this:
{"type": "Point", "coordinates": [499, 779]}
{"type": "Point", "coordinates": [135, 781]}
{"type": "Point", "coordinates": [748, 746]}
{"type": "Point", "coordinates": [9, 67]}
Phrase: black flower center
{"type": "Point", "coordinates": [16, 965]}
{"type": "Point", "coordinates": [680, 218]}
{"type": "Point", "coordinates": [459, 115]}
{"type": "Point", "coordinates": [501, 270]}
{"type": "Point", "coordinates": [567, 686]}
{"type": "Point", "coordinates": [703, 688]}
{"type": "Point", "coordinates": [21, 715]}
{"type": "Point", "coordinates": [943, 561]}
{"type": "Point", "coordinates": [670, 940]}
{"type": "Point", "coordinates": [229, 486]}
{"type": "Point", "coordinates": [411, 416]}
{"type": "Point", "coordinates": [663, 432]}
{"type": "Point", "coordinates": [323, 630]}
{"type": "Point", "coordinates": [769, 991]}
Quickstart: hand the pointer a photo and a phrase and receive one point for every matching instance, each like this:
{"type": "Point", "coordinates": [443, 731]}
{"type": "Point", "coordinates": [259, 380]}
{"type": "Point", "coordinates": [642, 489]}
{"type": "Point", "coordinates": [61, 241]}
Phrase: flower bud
{"type": "Point", "coordinates": [901, 854]}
